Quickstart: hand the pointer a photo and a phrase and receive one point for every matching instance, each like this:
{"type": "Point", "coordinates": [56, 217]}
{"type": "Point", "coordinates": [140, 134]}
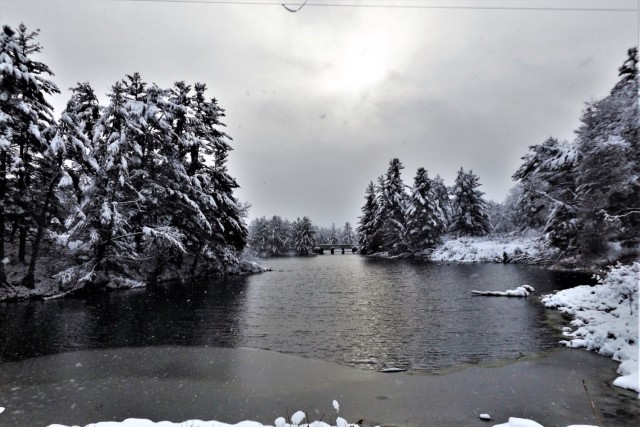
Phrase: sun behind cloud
{"type": "Point", "coordinates": [364, 61]}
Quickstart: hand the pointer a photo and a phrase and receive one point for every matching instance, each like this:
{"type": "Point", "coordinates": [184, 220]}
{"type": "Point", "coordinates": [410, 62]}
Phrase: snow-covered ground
{"type": "Point", "coordinates": [605, 319]}
{"type": "Point", "coordinates": [521, 249]}
{"type": "Point", "coordinates": [280, 422]}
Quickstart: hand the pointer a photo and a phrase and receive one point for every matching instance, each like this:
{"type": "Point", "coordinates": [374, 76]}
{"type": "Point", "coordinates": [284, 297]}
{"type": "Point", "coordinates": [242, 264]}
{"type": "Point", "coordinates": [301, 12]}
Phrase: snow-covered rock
{"type": "Point", "coordinates": [605, 319]}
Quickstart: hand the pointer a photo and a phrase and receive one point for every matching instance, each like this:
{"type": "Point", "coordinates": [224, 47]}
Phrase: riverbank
{"type": "Point", "coordinates": [604, 318]}
{"type": "Point", "coordinates": [49, 286]}
{"type": "Point", "coordinates": [521, 249]}
{"type": "Point", "coordinates": [232, 385]}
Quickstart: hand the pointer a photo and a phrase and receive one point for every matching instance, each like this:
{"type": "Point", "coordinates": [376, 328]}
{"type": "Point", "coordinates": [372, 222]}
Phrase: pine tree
{"type": "Point", "coordinates": [277, 236]}
{"type": "Point", "coordinates": [392, 206]}
{"type": "Point", "coordinates": [333, 237]}
{"type": "Point", "coordinates": [442, 196]}
{"type": "Point", "coordinates": [470, 217]}
{"type": "Point", "coordinates": [547, 175]}
{"type": "Point", "coordinates": [608, 168]}
{"type": "Point", "coordinates": [230, 233]}
{"type": "Point", "coordinates": [425, 218]}
{"type": "Point", "coordinates": [367, 225]}
{"type": "Point", "coordinates": [259, 235]}
{"type": "Point", "coordinates": [303, 236]}
{"type": "Point", "coordinates": [347, 237]}
{"type": "Point", "coordinates": [25, 117]}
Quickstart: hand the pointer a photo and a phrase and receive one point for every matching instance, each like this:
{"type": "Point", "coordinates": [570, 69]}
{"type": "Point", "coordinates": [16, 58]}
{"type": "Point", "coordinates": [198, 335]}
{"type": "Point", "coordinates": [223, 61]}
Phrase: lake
{"type": "Point", "coordinates": [357, 311]}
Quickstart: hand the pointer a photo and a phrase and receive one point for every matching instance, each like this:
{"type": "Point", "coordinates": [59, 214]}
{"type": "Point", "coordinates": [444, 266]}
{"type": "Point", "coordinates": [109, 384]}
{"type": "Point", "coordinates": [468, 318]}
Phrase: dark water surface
{"type": "Point", "coordinates": [362, 312]}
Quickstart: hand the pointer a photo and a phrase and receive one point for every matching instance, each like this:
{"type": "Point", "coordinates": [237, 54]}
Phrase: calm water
{"type": "Point", "coordinates": [349, 309]}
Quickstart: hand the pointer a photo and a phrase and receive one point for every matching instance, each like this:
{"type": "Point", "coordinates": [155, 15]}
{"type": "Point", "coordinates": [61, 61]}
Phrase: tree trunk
{"type": "Point", "coordinates": [195, 261]}
{"type": "Point", "coordinates": [22, 242]}
{"type": "Point", "coordinates": [29, 280]}
{"type": "Point", "coordinates": [3, 194]}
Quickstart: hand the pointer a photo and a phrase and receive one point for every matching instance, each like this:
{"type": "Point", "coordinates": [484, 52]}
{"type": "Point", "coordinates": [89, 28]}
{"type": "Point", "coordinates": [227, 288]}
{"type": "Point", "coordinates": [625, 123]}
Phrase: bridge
{"type": "Point", "coordinates": [319, 249]}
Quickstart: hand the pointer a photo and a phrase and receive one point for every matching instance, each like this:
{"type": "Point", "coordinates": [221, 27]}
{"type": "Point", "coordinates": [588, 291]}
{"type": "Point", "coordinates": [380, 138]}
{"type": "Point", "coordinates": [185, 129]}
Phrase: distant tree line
{"type": "Point", "coordinates": [134, 186]}
{"type": "Point", "coordinates": [585, 194]}
{"type": "Point", "coordinates": [278, 236]}
{"type": "Point", "coordinates": [401, 219]}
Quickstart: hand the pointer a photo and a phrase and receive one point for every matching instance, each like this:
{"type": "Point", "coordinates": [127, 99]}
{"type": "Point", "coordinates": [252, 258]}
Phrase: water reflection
{"type": "Point", "coordinates": [357, 311]}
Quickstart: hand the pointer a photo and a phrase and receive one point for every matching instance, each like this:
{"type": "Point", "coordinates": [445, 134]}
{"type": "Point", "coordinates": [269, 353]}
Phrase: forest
{"type": "Point", "coordinates": [582, 196]}
{"type": "Point", "coordinates": [119, 192]}
{"type": "Point", "coordinates": [138, 189]}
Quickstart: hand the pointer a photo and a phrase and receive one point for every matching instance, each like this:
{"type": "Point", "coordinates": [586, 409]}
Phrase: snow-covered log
{"type": "Point", "coordinates": [520, 291]}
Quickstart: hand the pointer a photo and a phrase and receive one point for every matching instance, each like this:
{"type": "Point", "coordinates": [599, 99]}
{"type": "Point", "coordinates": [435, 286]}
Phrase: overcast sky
{"type": "Point", "coordinates": [319, 101]}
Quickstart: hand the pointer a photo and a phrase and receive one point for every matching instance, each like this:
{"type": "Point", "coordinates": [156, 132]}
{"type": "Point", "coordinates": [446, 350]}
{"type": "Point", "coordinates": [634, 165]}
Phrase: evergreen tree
{"type": "Point", "coordinates": [304, 236]}
{"type": "Point", "coordinates": [367, 225]}
{"type": "Point", "coordinates": [277, 242]}
{"type": "Point", "coordinates": [259, 235]}
{"type": "Point", "coordinates": [608, 167]}
{"type": "Point", "coordinates": [25, 117]}
{"type": "Point", "coordinates": [333, 237]}
{"type": "Point", "coordinates": [547, 175]}
{"type": "Point", "coordinates": [392, 207]}
{"type": "Point", "coordinates": [442, 196]}
{"type": "Point", "coordinates": [425, 218]}
{"type": "Point", "coordinates": [347, 237]}
{"type": "Point", "coordinates": [470, 217]}
{"type": "Point", "coordinates": [229, 230]}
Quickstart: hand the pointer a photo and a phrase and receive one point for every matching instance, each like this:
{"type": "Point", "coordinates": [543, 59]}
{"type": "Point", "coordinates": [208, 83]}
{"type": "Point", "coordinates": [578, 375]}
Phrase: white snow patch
{"type": "Point", "coordinates": [521, 249]}
{"type": "Point", "coordinates": [138, 422]}
{"type": "Point", "coordinates": [520, 291]}
{"type": "Point", "coordinates": [606, 319]}
{"type": "Point", "coordinates": [519, 422]}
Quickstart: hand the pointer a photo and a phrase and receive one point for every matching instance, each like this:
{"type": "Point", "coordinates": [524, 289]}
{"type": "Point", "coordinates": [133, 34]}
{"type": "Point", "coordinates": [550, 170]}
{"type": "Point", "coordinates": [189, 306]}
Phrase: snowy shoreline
{"type": "Point", "coordinates": [605, 319]}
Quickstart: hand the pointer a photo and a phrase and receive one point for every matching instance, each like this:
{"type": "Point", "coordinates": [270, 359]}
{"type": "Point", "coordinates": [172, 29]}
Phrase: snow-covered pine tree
{"type": "Point", "coordinates": [277, 236]}
{"type": "Point", "coordinates": [608, 167]}
{"type": "Point", "coordinates": [230, 232]}
{"type": "Point", "coordinates": [258, 238]}
{"type": "Point", "coordinates": [110, 202]}
{"type": "Point", "coordinates": [367, 226]}
{"type": "Point", "coordinates": [547, 175]}
{"type": "Point", "coordinates": [392, 207]}
{"type": "Point", "coordinates": [425, 218]}
{"type": "Point", "coordinates": [76, 128]}
{"type": "Point", "coordinates": [347, 237]}
{"type": "Point", "coordinates": [333, 237]}
{"type": "Point", "coordinates": [470, 210]}
{"type": "Point", "coordinates": [442, 196]}
{"type": "Point", "coordinates": [303, 236]}
{"type": "Point", "coordinates": [25, 115]}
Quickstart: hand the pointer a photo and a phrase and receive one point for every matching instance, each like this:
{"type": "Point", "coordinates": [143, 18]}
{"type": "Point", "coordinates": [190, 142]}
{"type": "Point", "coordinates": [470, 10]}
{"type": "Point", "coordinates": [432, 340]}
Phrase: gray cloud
{"type": "Point", "coordinates": [318, 102]}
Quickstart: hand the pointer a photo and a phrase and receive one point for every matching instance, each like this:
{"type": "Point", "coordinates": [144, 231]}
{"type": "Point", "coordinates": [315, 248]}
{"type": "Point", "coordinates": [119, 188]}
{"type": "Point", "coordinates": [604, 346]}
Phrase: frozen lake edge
{"type": "Point", "coordinates": [232, 385]}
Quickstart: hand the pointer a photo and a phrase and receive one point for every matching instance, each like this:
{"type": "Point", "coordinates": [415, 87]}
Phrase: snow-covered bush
{"type": "Point", "coordinates": [605, 319]}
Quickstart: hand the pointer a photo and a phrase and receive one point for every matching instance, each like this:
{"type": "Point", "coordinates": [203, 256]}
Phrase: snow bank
{"type": "Point", "coordinates": [296, 421]}
{"type": "Point", "coordinates": [522, 422]}
{"type": "Point", "coordinates": [605, 319]}
{"type": "Point", "coordinates": [136, 422]}
{"type": "Point", "coordinates": [280, 422]}
{"type": "Point", "coordinates": [521, 249]}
